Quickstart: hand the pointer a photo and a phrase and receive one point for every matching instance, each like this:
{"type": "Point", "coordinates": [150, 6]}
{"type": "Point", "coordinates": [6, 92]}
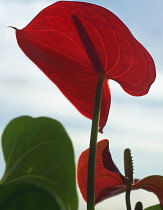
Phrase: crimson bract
{"type": "Point", "coordinates": [108, 180]}
{"type": "Point", "coordinates": [74, 43]}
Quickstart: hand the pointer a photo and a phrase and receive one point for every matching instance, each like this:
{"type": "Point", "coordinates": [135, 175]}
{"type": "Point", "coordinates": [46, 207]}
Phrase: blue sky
{"type": "Point", "coordinates": [134, 122]}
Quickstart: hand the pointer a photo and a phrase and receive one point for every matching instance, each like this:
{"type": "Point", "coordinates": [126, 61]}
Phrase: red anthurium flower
{"type": "Point", "coordinates": [74, 43]}
{"type": "Point", "coordinates": [108, 180]}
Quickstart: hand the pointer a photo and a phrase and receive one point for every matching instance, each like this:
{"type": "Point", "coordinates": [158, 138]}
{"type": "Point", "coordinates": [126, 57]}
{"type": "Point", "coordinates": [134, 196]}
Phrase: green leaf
{"type": "Point", "coordinates": [156, 207]}
{"type": "Point", "coordinates": [38, 151]}
{"type": "Point", "coordinates": [25, 196]}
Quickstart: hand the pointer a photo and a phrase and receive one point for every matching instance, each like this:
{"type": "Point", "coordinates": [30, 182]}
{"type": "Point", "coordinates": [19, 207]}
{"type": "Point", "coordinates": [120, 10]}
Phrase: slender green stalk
{"type": "Point", "coordinates": [92, 147]}
{"type": "Point", "coordinates": [128, 202]}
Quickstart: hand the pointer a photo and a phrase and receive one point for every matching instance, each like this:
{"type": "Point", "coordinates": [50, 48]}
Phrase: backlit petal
{"type": "Point", "coordinates": [108, 180]}
{"type": "Point", "coordinates": [73, 42]}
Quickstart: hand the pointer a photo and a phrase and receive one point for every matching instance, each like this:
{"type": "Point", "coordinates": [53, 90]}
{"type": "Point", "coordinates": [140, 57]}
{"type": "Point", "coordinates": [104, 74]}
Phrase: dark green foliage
{"type": "Point", "coordinates": [25, 197]}
{"type": "Point", "coordinates": [38, 152]}
{"type": "Point", "coordinates": [155, 207]}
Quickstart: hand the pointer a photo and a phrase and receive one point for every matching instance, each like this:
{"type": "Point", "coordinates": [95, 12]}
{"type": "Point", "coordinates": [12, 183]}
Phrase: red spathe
{"type": "Point", "coordinates": [108, 179]}
{"type": "Point", "coordinates": [75, 42]}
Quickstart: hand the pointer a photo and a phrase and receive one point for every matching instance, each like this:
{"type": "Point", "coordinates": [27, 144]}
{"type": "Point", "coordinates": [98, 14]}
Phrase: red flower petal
{"type": "Point", "coordinates": [54, 42]}
{"type": "Point", "coordinates": [153, 184]}
{"type": "Point", "coordinates": [108, 180]}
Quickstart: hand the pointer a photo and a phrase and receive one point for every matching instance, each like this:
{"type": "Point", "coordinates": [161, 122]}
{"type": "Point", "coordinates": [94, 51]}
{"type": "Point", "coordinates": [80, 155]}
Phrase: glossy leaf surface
{"type": "Point", "coordinates": [26, 197]}
{"type": "Point", "coordinates": [75, 42]}
{"type": "Point", "coordinates": [38, 151]}
{"type": "Point", "coordinates": [108, 179]}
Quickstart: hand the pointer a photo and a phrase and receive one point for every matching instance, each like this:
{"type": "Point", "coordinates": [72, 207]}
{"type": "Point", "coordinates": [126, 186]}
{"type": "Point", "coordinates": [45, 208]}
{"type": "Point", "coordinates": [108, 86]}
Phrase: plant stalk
{"type": "Point", "coordinates": [128, 192]}
{"type": "Point", "coordinates": [92, 147]}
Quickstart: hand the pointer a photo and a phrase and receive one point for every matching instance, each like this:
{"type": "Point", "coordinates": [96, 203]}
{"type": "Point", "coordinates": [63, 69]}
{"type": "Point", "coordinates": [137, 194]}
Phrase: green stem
{"type": "Point", "coordinates": [92, 147]}
{"type": "Point", "coordinates": [128, 192]}
{"type": "Point", "coordinates": [129, 173]}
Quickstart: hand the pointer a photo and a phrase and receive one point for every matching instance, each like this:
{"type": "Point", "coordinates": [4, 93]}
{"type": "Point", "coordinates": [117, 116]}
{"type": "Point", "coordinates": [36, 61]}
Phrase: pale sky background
{"type": "Point", "coordinates": [134, 122]}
